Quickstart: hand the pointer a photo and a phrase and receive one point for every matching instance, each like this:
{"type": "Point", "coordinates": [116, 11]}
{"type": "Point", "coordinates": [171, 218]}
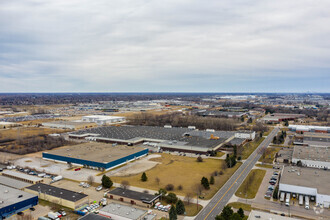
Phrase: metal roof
{"type": "Point", "coordinates": [22, 175]}
{"type": "Point", "coordinates": [10, 196]}
{"type": "Point", "coordinates": [17, 184]}
{"type": "Point", "coordinates": [57, 192]}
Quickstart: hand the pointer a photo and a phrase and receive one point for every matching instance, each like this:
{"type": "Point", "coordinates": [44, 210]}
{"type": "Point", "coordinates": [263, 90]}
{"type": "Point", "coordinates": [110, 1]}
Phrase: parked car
{"type": "Point", "coordinates": [99, 188]}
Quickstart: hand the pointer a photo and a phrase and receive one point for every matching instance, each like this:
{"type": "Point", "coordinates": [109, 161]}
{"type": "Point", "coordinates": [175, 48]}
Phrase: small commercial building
{"type": "Point", "coordinates": [63, 197]}
{"type": "Point", "coordinates": [72, 125]}
{"type": "Point", "coordinates": [307, 182]}
{"type": "Point", "coordinates": [22, 177]}
{"type": "Point", "coordinates": [96, 155]}
{"type": "Point", "coordinates": [133, 197]}
{"type": "Point", "coordinates": [315, 157]}
{"type": "Point", "coordinates": [103, 119]}
{"type": "Point", "coordinates": [122, 212]}
{"type": "Point", "coordinates": [250, 135]}
{"type": "Point", "coordinates": [13, 201]}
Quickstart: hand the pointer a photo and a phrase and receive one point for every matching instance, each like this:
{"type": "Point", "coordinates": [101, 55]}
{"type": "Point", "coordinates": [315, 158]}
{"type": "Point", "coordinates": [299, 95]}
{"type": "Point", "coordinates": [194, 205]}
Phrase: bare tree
{"type": "Point", "coordinates": [90, 180]}
{"type": "Point", "coordinates": [188, 197]}
{"type": "Point", "coordinates": [124, 184]}
{"type": "Point", "coordinates": [157, 180]}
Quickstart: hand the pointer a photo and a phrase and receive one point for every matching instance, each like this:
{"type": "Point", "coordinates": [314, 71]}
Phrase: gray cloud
{"type": "Point", "coordinates": [170, 45]}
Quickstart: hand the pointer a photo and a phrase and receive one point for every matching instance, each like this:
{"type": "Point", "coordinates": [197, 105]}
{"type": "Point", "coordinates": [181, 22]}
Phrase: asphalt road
{"type": "Point", "coordinates": [221, 198]}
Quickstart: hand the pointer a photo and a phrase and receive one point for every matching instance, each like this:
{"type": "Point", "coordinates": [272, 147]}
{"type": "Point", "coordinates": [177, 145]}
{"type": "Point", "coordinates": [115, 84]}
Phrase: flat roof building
{"type": "Point", "coordinates": [61, 196]}
{"type": "Point", "coordinates": [315, 157]}
{"type": "Point", "coordinates": [14, 183]}
{"type": "Point", "coordinates": [13, 201]}
{"type": "Point", "coordinates": [96, 155]}
{"type": "Point", "coordinates": [103, 119]}
{"type": "Point", "coordinates": [306, 181]}
{"type": "Point", "coordinates": [167, 137]}
{"type": "Point", "coordinates": [22, 177]}
{"type": "Point", "coordinates": [133, 197]}
{"type": "Point", "coordinates": [73, 125]}
{"type": "Point", "coordinates": [309, 128]}
{"type": "Point", "coordinates": [123, 212]}
{"type": "Point", "coordinates": [278, 117]}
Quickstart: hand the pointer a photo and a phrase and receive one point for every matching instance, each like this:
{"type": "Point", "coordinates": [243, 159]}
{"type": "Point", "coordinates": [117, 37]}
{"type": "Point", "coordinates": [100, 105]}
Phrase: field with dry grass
{"type": "Point", "coordinates": [184, 171]}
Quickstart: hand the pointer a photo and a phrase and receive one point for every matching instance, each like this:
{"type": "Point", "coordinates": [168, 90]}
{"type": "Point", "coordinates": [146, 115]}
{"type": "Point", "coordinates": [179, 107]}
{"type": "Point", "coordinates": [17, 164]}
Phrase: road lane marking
{"type": "Point", "coordinates": [233, 183]}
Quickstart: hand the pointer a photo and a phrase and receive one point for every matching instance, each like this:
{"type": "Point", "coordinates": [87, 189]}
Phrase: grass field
{"type": "Point", "coordinates": [250, 147]}
{"type": "Point", "coordinates": [268, 156]}
{"type": "Point", "coordinates": [251, 184]}
{"type": "Point", "coordinates": [191, 209]}
{"type": "Point", "coordinates": [237, 205]}
{"type": "Point", "coordinates": [22, 132]}
{"type": "Point", "coordinates": [264, 166]}
{"type": "Point", "coordinates": [185, 171]}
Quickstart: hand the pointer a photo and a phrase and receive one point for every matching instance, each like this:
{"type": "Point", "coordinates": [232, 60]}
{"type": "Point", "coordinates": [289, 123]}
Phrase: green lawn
{"type": "Point", "coordinates": [251, 184]}
{"type": "Point", "coordinates": [250, 147]}
{"type": "Point", "coordinates": [264, 166]}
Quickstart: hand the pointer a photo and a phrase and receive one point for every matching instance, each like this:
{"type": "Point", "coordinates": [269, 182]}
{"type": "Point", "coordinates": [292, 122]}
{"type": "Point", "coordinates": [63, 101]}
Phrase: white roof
{"type": "Point", "coordinates": [102, 117]}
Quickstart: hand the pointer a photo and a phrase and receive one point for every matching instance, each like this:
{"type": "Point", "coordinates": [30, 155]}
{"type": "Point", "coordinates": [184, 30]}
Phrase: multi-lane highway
{"type": "Point", "coordinates": [221, 198]}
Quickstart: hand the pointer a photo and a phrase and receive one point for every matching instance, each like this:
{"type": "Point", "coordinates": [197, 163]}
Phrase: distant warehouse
{"type": "Point", "coordinates": [103, 119]}
{"type": "Point", "coordinates": [73, 125]}
{"type": "Point", "coordinates": [96, 155]}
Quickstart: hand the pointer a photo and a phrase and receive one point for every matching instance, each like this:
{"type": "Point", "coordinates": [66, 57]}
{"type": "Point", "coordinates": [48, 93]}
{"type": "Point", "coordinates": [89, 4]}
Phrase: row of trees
{"type": "Point", "coordinates": [279, 138]}
{"type": "Point", "coordinates": [179, 120]}
{"type": "Point", "coordinates": [228, 214]}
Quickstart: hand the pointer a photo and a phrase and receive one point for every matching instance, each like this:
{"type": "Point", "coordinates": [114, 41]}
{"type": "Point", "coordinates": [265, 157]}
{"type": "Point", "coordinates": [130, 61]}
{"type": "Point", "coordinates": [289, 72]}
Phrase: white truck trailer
{"type": "Point", "coordinates": [287, 199]}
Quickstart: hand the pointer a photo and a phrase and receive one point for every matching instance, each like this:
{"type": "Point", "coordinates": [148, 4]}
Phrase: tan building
{"type": "Point", "coordinates": [22, 177]}
{"type": "Point", "coordinates": [133, 197]}
{"type": "Point", "coordinates": [59, 196]}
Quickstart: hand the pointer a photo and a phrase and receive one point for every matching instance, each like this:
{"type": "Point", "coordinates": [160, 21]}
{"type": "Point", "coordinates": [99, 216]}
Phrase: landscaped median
{"type": "Point", "coordinates": [251, 184]}
{"type": "Point", "coordinates": [182, 175]}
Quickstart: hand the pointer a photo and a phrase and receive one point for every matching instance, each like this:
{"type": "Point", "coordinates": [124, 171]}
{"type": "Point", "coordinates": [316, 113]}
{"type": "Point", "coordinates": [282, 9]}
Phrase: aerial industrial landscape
{"type": "Point", "coordinates": [250, 154]}
{"type": "Point", "coordinates": [164, 110]}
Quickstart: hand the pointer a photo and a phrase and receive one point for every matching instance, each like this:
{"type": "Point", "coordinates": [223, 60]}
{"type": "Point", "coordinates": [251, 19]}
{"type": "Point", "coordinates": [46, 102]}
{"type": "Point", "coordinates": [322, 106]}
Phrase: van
{"type": "Point", "coordinates": [306, 202]}
{"type": "Point", "coordinates": [287, 199]}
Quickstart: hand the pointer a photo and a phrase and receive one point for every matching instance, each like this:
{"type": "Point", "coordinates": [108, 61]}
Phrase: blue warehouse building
{"type": "Point", "coordinates": [96, 155]}
{"type": "Point", "coordinates": [13, 201]}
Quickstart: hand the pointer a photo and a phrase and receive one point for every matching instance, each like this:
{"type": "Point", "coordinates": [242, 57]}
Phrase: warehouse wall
{"type": "Point", "coordinates": [18, 207]}
{"type": "Point", "coordinates": [93, 163]}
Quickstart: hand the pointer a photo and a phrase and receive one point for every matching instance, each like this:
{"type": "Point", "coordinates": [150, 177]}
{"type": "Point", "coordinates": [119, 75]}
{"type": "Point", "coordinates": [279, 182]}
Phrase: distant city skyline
{"type": "Point", "coordinates": [165, 46]}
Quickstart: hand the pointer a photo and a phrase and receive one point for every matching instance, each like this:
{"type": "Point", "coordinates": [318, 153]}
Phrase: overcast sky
{"type": "Point", "coordinates": [164, 46]}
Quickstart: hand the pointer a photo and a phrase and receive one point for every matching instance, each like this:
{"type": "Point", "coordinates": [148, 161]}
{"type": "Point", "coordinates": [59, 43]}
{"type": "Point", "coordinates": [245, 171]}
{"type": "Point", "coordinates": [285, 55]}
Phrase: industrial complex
{"type": "Point", "coordinates": [103, 119]}
{"type": "Point", "coordinates": [96, 155]}
{"type": "Point", "coordinates": [166, 138]}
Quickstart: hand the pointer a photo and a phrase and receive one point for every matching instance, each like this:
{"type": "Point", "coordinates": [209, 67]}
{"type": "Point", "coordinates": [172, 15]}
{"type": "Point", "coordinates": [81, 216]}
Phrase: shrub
{"type": "Point", "coordinates": [169, 187]}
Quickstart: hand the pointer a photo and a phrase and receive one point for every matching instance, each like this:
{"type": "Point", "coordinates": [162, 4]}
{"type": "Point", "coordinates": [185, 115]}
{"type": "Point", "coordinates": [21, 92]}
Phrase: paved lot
{"type": "Point", "coordinates": [222, 197]}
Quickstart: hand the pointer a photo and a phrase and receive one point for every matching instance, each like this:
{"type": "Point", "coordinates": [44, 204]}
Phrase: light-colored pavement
{"type": "Point", "coordinates": [222, 197]}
